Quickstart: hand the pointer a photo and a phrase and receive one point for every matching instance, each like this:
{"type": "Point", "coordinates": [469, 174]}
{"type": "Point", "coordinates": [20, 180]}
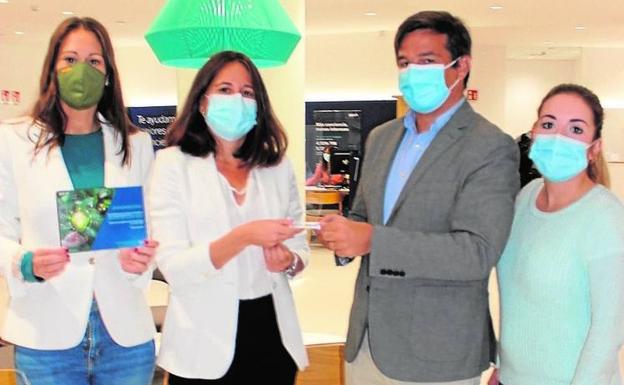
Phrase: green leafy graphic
{"type": "Point", "coordinates": [81, 213]}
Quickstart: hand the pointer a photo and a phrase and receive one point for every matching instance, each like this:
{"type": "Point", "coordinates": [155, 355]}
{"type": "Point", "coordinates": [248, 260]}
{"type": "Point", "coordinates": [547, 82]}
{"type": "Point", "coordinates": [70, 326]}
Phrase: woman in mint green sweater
{"type": "Point", "coordinates": [561, 276]}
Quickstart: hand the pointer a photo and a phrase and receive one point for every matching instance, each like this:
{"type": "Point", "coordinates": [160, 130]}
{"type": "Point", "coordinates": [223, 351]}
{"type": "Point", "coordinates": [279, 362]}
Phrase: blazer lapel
{"type": "Point", "coordinates": [57, 170]}
{"type": "Point", "coordinates": [113, 168]}
{"type": "Point", "coordinates": [448, 135]}
{"type": "Point", "coordinates": [50, 163]}
{"type": "Point", "coordinates": [383, 163]}
{"type": "Point", "coordinates": [258, 176]}
{"type": "Point", "coordinates": [211, 187]}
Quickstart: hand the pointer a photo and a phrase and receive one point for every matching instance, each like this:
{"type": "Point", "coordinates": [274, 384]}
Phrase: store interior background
{"type": "Point", "coordinates": [346, 53]}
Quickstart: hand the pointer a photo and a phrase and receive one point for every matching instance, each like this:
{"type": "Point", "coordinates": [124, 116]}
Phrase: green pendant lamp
{"type": "Point", "coordinates": [187, 32]}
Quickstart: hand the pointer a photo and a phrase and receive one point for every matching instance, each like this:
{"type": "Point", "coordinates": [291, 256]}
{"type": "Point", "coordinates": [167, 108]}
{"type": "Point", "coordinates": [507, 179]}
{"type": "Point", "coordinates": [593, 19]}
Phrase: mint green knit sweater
{"type": "Point", "coordinates": [561, 280]}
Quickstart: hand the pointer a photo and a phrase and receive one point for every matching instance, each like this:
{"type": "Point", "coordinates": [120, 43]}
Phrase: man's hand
{"type": "Point", "coordinates": [345, 237]}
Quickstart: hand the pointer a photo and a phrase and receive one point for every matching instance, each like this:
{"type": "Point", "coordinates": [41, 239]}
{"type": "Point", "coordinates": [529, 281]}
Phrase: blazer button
{"type": "Point", "coordinates": [394, 273]}
{"type": "Point", "coordinates": [367, 288]}
{"type": "Point", "coordinates": [402, 273]}
{"type": "Point", "coordinates": [383, 272]}
{"type": "Point", "coordinates": [92, 261]}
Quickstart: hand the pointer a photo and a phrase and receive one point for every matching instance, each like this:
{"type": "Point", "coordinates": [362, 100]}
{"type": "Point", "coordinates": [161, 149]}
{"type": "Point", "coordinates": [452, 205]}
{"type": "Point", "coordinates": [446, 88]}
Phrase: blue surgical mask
{"type": "Point", "coordinates": [231, 117]}
{"type": "Point", "coordinates": [423, 86]}
{"type": "Point", "coordinates": [557, 157]}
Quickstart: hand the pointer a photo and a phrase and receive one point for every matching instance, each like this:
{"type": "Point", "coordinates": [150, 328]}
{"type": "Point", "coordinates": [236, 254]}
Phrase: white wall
{"type": "Point", "coordinates": [601, 69]}
{"type": "Point", "coordinates": [357, 66]}
{"type": "Point", "coordinates": [362, 66]}
{"type": "Point", "coordinates": [145, 82]}
{"type": "Point", "coordinates": [20, 68]}
{"type": "Point", "coordinates": [526, 83]}
{"type": "Point", "coordinates": [488, 77]}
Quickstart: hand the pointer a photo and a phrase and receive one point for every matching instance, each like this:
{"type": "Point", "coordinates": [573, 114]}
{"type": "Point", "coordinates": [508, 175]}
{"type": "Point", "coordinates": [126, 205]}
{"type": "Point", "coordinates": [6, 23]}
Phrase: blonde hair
{"type": "Point", "coordinates": [598, 171]}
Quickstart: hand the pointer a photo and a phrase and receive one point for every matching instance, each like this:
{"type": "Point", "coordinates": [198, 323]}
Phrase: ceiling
{"type": "Point", "coordinates": [543, 29]}
{"type": "Point", "coordinates": [125, 20]}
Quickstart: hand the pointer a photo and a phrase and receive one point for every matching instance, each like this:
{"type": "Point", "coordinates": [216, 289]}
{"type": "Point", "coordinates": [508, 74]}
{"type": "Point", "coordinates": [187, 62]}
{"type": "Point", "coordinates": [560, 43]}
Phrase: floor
{"type": "Point", "coordinates": [323, 293]}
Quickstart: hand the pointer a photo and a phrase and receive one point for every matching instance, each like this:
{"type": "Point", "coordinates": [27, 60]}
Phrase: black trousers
{"type": "Point", "coordinates": [259, 355]}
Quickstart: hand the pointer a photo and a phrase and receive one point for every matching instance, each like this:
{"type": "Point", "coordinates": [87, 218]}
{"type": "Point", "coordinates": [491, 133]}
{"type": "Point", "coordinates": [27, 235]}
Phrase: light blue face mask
{"type": "Point", "coordinates": [557, 157]}
{"type": "Point", "coordinates": [231, 117]}
{"type": "Point", "coordinates": [423, 86]}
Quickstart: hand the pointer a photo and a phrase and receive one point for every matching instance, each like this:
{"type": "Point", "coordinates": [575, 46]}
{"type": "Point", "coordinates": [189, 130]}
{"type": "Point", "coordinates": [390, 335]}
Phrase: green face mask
{"type": "Point", "coordinates": [81, 86]}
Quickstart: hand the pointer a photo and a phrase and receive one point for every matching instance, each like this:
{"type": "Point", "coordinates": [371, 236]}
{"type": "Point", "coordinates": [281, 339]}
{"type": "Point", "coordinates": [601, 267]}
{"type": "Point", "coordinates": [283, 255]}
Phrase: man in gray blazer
{"type": "Point", "coordinates": [431, 217]}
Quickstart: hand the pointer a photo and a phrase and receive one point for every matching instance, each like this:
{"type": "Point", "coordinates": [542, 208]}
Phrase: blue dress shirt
{"type": "Point", "coordinates": [411, 149]}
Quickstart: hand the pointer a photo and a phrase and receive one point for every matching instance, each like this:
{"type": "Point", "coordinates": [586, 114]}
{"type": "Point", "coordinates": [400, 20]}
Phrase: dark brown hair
{"type": "Point", "coordinates": [48, 111]}
{"type": "Point", "coordinates": [458, 41]}
{"type": "Point", "coordinates": [329, 149]}
{"type": "Point", "coordinates": [264, 145]}
{"type": "Point", "coordinates": [597, 170]}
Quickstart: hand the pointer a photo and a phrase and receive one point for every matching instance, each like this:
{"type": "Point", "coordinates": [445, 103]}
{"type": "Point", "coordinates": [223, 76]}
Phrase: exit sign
{"type": "Point", "coordinates": [472, 94]}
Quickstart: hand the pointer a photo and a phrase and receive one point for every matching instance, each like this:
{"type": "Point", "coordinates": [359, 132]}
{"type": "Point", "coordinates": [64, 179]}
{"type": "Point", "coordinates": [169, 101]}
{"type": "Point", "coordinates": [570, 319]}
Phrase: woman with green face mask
{"type": "Point", "coordinates": [75, 319]}
{"type": "Point", "coordinates": [561, 276]}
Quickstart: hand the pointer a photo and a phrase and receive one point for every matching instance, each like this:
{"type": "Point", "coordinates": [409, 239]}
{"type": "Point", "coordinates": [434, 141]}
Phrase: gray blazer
{"type": "Point", "coordinates": [422, 291]}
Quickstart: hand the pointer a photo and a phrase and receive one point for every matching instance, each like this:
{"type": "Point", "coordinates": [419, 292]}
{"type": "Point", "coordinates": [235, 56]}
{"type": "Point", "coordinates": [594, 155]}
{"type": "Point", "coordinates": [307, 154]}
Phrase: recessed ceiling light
{"type": "Point", "coordinates": [370, 14]}
{"type": "Point", "coordinates": [4, 1]}
{"type": "Point", "coordinates": [120, 22]}
{"type": "Point", "coordinates": [67, 13]}
{"type": "Point", "coordinates": [496, 7]}
{"type": "Point", "coordinates": [580, 27]}
{"type": "Point", "coordinates": [19, 32]}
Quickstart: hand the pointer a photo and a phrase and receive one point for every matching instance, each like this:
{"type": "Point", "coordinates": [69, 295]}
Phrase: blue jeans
{"type": "Point", "coordinates": [97, 360]}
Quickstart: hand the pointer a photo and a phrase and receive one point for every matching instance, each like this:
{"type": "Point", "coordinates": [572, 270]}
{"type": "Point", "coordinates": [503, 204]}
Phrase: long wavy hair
{"type": "Point", "coordinates": [48, 112]}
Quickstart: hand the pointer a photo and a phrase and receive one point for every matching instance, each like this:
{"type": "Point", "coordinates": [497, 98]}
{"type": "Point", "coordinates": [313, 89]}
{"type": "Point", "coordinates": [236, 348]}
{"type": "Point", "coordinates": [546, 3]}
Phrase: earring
{"type": "Point", "coordinates": [106, 83]}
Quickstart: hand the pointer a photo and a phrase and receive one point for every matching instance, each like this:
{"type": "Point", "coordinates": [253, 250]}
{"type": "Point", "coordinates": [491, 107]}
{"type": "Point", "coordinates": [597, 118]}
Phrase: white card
{"type": "Point", "coordinates": [308, 225]}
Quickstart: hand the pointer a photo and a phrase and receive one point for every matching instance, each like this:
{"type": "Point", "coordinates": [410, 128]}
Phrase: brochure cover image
{"type": "Point", "coordinates": [101, 218]}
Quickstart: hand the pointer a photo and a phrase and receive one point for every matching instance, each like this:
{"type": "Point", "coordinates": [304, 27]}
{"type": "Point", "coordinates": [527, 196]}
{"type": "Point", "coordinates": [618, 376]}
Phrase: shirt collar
{"type": "Point", "coordinates": [410, 119]}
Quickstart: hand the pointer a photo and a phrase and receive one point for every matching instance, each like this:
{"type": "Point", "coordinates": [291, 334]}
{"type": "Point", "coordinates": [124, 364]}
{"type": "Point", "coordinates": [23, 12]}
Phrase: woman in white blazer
{"type": "Point", "coordinates": [224, 204]}
{"type": "Point", "coordinates": [78, 319]}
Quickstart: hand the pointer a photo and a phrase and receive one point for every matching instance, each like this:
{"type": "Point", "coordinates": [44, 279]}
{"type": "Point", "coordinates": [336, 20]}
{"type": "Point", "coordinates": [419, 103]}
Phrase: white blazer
{"type": "Point", "coordinates": [54, 314]}
{"type": "Point", "coordinates": [187, 212]}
